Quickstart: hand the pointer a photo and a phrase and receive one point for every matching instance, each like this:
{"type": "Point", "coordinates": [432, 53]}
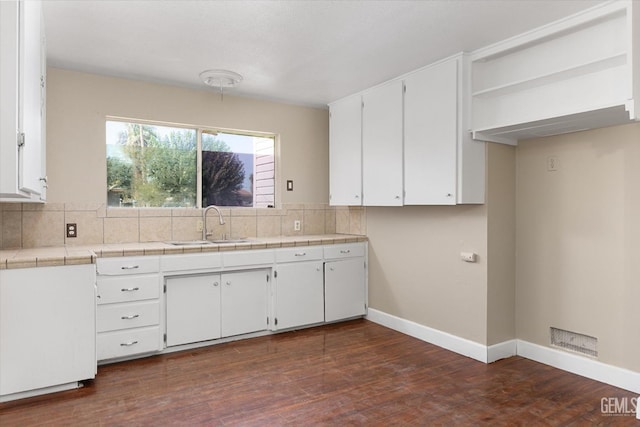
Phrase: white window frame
{"type": "Point", "coordinates": [199, 130]}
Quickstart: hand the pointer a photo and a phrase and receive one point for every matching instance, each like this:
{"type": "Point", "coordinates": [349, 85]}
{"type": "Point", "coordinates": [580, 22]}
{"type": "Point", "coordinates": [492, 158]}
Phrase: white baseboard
{"type": "Point", "coordinates": [40, 391]}
{"type": "Point", "coordinates": [441, 339]}
{"type": "Point", "coordinates": [583, 366]}
{"type": "Point", "coordinates": [501, 350]}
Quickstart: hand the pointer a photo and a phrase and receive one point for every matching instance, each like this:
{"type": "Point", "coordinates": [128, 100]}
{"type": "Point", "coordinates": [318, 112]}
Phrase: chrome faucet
{"type": "Point", "coordinates": [204, 220]}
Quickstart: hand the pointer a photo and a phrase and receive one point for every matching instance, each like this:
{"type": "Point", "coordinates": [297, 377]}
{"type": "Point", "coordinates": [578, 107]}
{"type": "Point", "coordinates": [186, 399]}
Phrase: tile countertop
{"type": "Point", "coordinates": [74, 255]}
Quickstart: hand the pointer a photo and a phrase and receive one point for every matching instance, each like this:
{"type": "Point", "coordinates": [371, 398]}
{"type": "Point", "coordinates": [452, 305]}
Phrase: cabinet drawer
{"type": "Point", "coordinates": [248, 258]}
{"type": "Point", "coordinates": [191, 262]}
{"type": "Point", "coordinates": [128, 265]}
{"type": "Point", "coordinates": [347, 250]}
{"type": "Point", "coordinates": [126, 289]}
{"type": "Point", "coordinates": [128, 342]}
{"type": "Point", "coordinates": [305, 253]}
{"type": "Point", "coordinates": [112, 317]}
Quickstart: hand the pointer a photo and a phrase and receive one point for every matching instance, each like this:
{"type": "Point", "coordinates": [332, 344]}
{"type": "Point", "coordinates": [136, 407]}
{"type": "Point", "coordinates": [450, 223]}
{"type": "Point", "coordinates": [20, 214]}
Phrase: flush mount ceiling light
{"type": "Point", "coordinates": [220, 79]}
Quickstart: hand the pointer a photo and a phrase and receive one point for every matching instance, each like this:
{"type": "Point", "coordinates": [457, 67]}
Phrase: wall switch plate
{"type": "Point", "coordinates": [297, 225]}
{"type": "Point", "coordinates": [199, 225]}
{"type": "Point", "coordinates": [468, 256]}
{"type": "Point", "coordinates": [289, 185]}
{"type": "Point", "coordinates": [72, 230]}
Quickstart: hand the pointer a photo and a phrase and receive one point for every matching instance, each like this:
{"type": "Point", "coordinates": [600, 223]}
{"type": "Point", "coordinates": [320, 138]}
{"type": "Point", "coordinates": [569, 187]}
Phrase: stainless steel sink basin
{"type": "Point", "coordinates": [189, 242]}
{"type": "Point", "coordinates": [204, 242]}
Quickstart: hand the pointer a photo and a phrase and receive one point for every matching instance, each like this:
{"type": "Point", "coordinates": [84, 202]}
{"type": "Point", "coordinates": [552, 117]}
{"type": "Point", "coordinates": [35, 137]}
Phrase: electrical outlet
{"type": "Point", "coordinates": [199, 225]}
{"type": "Point", "coordinates": [297, 224]}
{"type": "Point", "coordinates": [72, 230]}
{"type": "Point", "coordinates": [553, 163]}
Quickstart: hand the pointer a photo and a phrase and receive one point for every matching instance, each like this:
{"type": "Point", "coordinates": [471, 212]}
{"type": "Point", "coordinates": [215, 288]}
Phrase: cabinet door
{"type": "Point", "coordinates": [47, 327]}
{"type": "Point", "coordinates": [344, 289]}
{"type": "Point", "coordinates": [22, 104]}
{"type": "Point", "coordinates": [382, 146]}
{"type": "Point", "coordinates": [9, 72]}
{"type": "Point", "coordinates": [193, 309]}
{"type": "Point", "coordinates": [299, 294]}
{"type": "Point", "coordinates": [244, 302]}
{"type": "Point", "coordinates": [30, 169]}
{"type": "Point", "coordinates": [430, 135]}
{"type": "Point", "coordinates": [345, 152]}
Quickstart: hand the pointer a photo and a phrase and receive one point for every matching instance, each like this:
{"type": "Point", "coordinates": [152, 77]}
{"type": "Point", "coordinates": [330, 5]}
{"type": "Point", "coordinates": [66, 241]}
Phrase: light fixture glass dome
{"type": "Point", "coordinates": [220, 78]}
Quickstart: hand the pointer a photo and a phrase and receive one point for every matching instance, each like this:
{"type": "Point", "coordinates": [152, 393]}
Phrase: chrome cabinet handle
{"type": "Point", "coordinates": [129, 289]}
{"type": "Point", "coordinates": [133, 316]}
{"type": "Point", "coordinates": [129, 267]}
{"type": "Point", "coordinates": [301, 254]}
{"type": "Point", "coordinates": [128, 344]}
{"type": "Point", "coordinates": [215, 283]}
{"type": "Point", "coordinates": [228, 283]}
{"type": "Point", "coordinates": [347, 251]}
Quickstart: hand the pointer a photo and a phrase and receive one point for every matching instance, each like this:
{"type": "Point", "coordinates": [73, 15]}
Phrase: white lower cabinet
{"type": "Point", "coordinates": [47, 328]}
{"type": "Point", "coordinates": [344, 289]}
{"type": "Point", "coordinates": [193, 309]}
{"type": "Point", "coordinates": [345, 278]}
{"type": "Point", "coordinates": [129, 307]}
{"type": "Point", "coordinates": [209, 296]}
{"type": "Point", "coordinates": [244, 302]}
{"type": "Point", "coordinates": [299, 298]}
{"type": "Point", "coordinates": [210, 306]}
{"type": "Point", "coordinates": [298, 292]}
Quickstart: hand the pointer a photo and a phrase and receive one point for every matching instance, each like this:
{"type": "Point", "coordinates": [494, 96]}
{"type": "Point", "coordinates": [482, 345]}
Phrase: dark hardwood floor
{"type": "Point", "coordinates": [353, 373]}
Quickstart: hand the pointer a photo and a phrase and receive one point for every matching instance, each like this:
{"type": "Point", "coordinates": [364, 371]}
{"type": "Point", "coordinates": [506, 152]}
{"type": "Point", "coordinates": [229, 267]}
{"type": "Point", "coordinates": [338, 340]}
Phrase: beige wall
{"type": "Point", "coordinates": [415, 271]}
{"type": "Point", "coordinates": [578, 240]}
{"type": "Point", "coordinates": [501, 256]}
{"type": "Point", "coordinates": [77, 104]}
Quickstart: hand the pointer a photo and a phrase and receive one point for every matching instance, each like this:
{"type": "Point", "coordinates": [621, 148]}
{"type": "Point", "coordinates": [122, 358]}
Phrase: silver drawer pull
{"type": "Point", "coordinates": [133, 316]}
{"type": "Point", "coordinates": [128, 344]}
{"type": "Point", "coordinates": [129, 267]}
{"type": "Point", "coordinates": [130, 289]}
{"type": "Point", "coordinates": [301, 254]}
{"type": "Point", "coordinates": [347, 251]}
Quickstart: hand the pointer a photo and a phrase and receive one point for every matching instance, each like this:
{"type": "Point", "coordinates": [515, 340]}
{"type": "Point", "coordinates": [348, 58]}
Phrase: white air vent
{"type": "Point", "coordinates": [575, 342]}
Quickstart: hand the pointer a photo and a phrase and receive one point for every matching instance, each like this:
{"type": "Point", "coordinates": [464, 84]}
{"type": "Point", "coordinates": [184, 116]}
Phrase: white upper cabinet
{"type": "Point", "coordinates": [430, 135]}
{"type": "Point", "coordinates": [345, 152]}
{"type": "Point", "coordinates": [416, 145]}
{"type": "Point", "coordinates": [22, 112]}
{"type": "Point", "coordinates": [382, 145]}
{"type": "Point", "coordinates": [578, 73]}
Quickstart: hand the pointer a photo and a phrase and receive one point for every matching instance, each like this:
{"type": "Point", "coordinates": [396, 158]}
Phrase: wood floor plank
{"type": "Point", "coordinates": [351, 373]}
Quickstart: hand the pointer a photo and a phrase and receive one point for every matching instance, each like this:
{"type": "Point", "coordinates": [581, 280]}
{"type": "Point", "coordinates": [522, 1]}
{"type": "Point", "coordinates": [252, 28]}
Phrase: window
{"type": "Point", "coordinates": [152, 165]}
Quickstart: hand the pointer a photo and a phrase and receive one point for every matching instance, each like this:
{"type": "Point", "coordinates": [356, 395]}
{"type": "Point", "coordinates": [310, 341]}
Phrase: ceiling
{"type": "Point", "coordinates": [303, 52]}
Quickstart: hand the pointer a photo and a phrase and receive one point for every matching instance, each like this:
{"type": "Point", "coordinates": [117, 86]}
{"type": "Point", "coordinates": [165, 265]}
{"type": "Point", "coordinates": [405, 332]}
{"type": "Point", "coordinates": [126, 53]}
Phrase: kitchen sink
{"type": "Point", "coordinates": [189, 242]}
{"type": "Point", "coordinates": [204, 242]}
